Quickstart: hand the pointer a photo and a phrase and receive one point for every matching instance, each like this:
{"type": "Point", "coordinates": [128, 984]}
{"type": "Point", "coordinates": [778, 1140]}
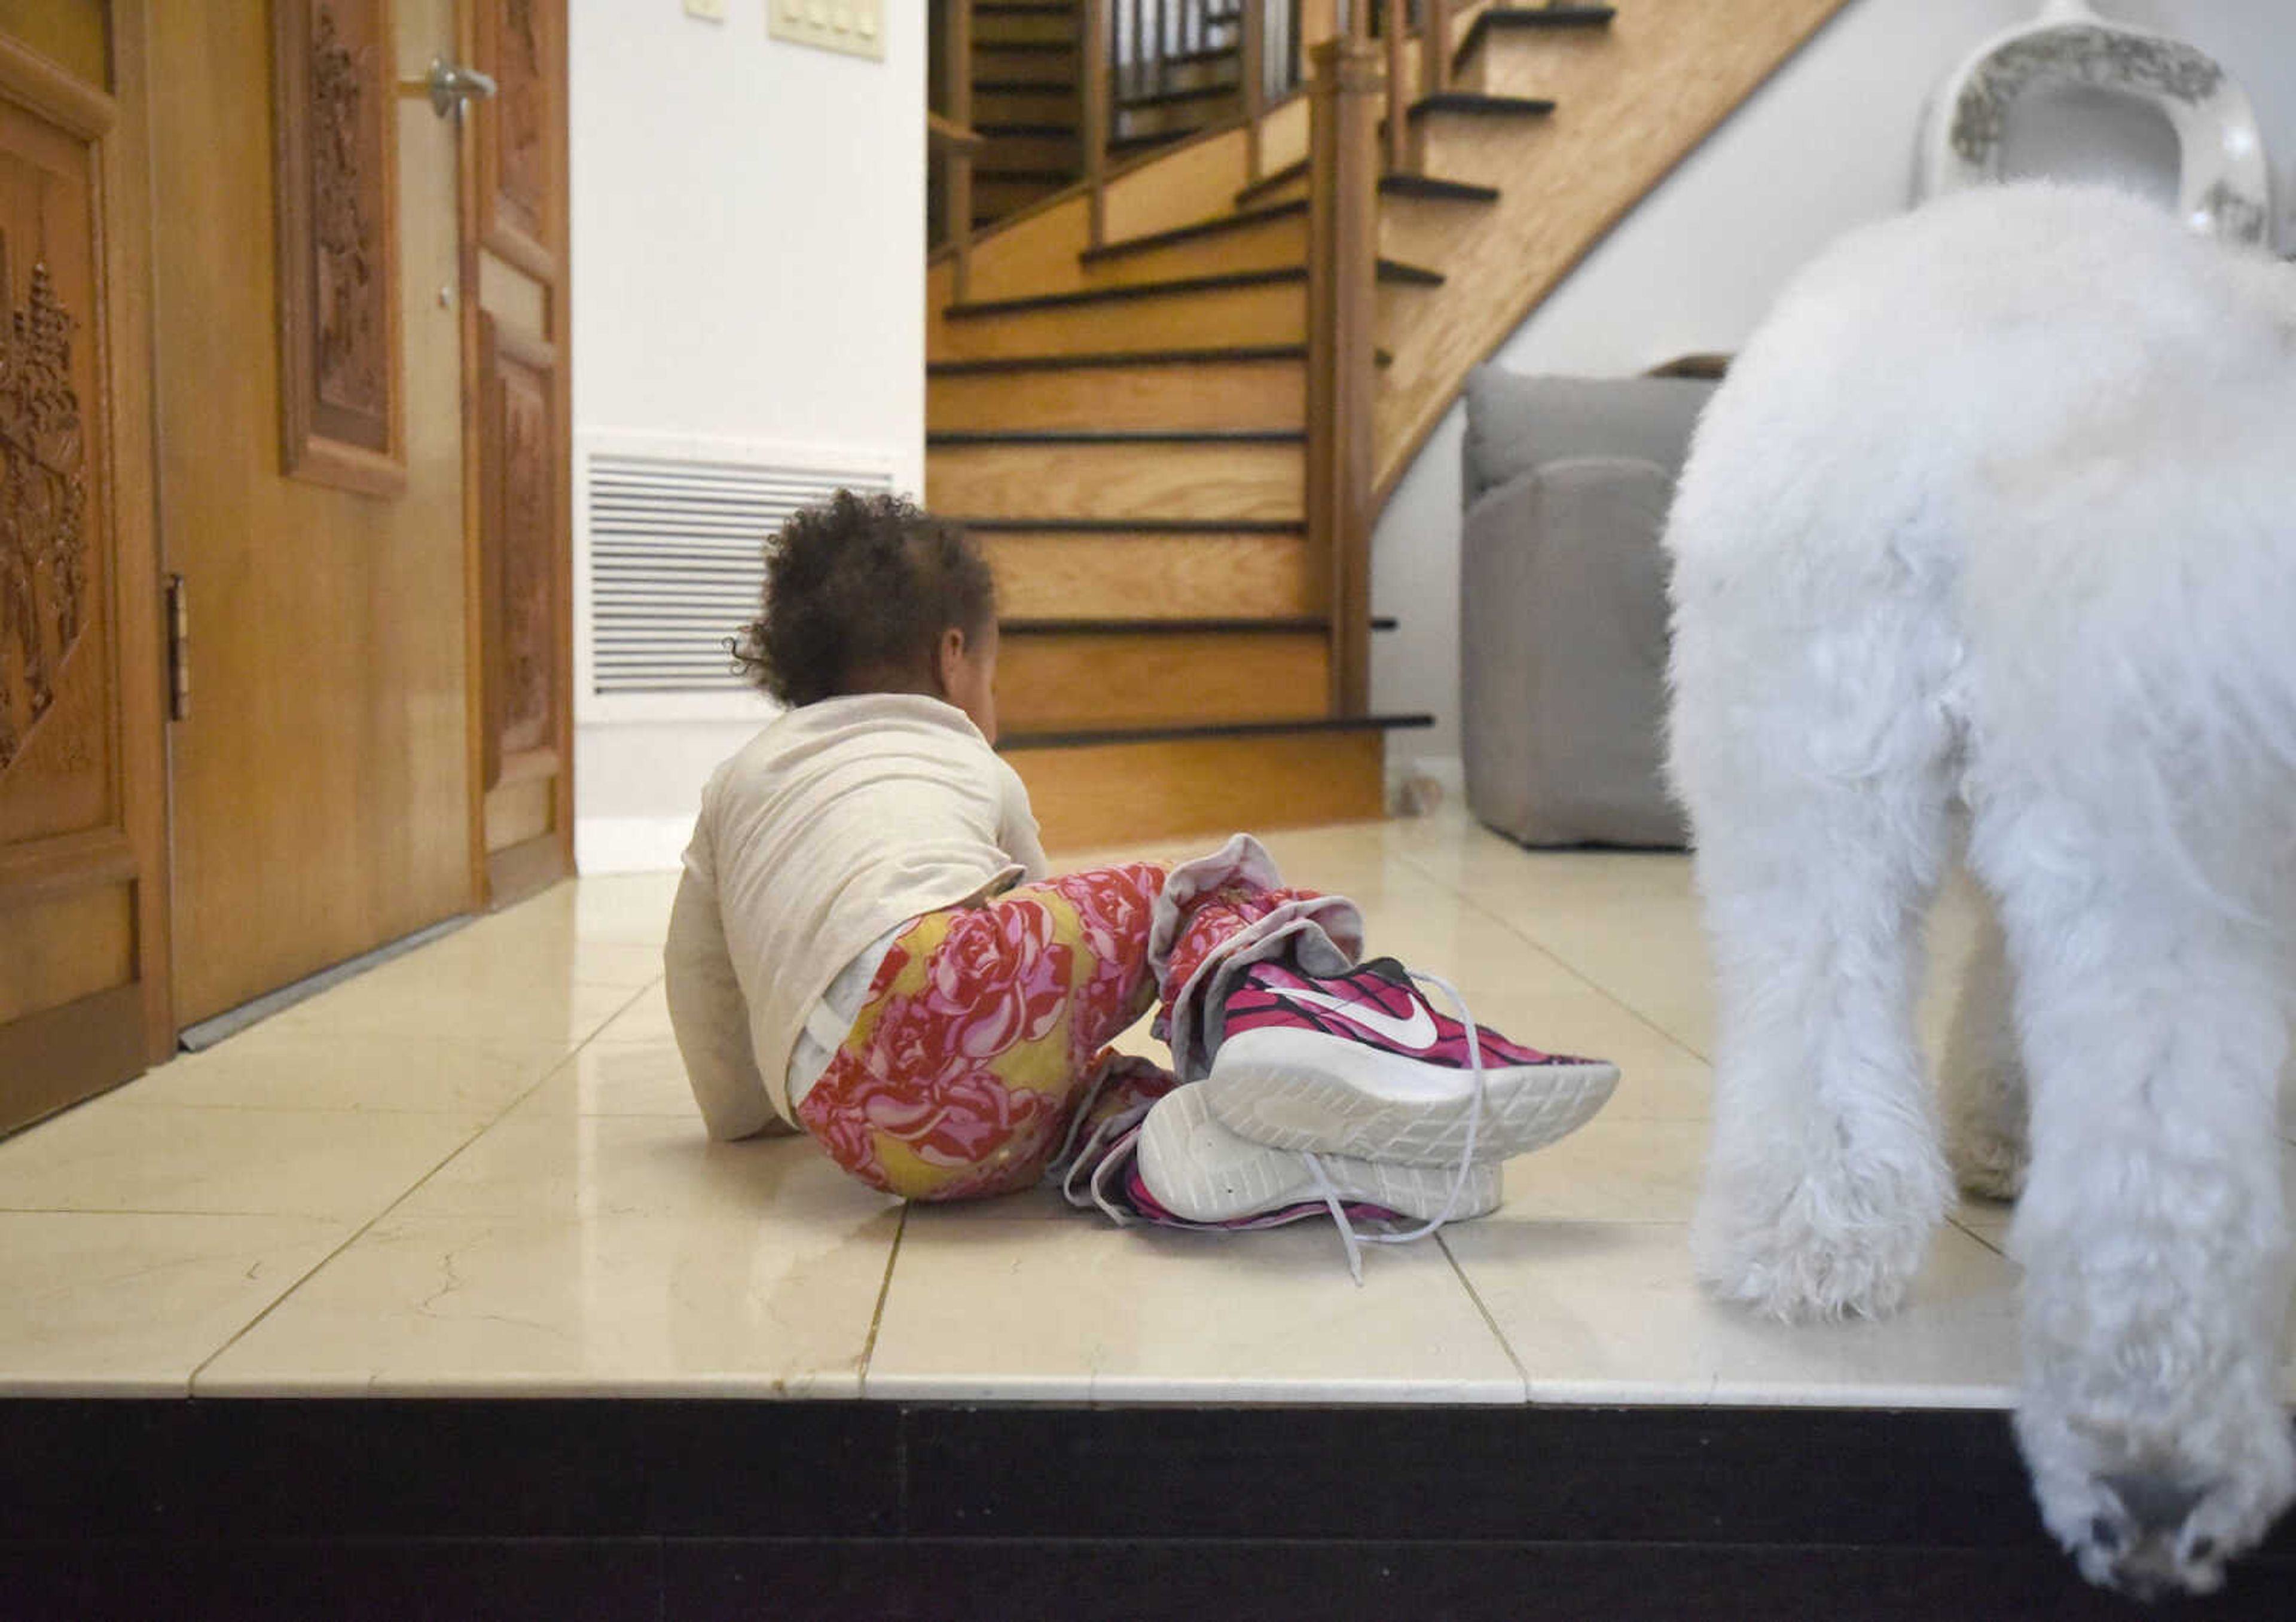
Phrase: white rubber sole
{"type": "Point", "coordinates": [1198, 1169]}
{"type": "Point", "coordinates": [1302, 1089]}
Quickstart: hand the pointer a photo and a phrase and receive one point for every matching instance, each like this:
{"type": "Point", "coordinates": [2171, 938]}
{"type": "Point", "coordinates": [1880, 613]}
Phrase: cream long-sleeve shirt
{"type": "Point", "coordinates": [837, 824]}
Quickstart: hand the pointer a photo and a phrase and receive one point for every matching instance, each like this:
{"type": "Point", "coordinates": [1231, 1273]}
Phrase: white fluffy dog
{"type": "Point", "coordinates": [1999, 510]}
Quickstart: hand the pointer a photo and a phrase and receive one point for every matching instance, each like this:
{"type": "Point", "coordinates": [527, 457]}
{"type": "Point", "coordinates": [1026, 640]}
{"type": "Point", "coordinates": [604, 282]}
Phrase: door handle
{"type": "Point", "coordinates": [449, 85]}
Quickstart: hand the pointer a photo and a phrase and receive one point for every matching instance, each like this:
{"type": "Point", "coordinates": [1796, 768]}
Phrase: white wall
{"type": "Point", "coordinates": [748, 231]}
{"type": "Point", "coordinates": [1828, 144]}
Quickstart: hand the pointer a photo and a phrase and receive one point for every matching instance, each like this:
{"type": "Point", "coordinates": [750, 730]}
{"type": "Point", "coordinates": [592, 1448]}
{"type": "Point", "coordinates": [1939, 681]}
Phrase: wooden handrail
{"type": "Point", "coordinates": [1342, 368]}
{"type": "Point", "coordinates": [950, 136]}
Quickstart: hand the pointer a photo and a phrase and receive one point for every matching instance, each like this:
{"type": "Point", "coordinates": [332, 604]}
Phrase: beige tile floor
{"type": "Point", "coordinates": [477, 1170]}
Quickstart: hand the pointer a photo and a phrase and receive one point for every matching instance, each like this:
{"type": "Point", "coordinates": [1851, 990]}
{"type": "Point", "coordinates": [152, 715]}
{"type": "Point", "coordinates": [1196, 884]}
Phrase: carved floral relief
{"type": "Point", "coordinates": [44, 559]}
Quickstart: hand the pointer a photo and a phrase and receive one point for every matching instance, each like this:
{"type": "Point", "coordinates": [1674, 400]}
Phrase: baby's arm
{"type": "Point", "coordinates": [1017, 834]}
{"type": "Point", "coordinates": [708, 1014]}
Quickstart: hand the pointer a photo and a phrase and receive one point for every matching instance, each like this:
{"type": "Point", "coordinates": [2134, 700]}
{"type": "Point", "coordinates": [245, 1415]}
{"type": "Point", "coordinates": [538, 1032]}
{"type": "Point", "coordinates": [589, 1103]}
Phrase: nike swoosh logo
{"type": "Point", "coordinates": [1418, 1032]}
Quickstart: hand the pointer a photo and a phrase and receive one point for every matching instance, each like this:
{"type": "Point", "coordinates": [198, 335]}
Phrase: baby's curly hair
{"type": "Point", "coordinates": [860, 587]}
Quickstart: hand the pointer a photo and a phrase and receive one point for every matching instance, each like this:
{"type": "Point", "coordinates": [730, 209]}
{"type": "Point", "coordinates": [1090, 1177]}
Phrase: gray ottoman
{"type": "Point", "coordinates": [1563, 604]}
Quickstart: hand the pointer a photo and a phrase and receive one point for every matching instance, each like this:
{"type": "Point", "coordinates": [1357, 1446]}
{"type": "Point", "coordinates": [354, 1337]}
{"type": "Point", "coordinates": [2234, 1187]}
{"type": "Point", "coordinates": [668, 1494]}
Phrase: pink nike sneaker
{"type": "Point", "coordinates": [1361, 1064]}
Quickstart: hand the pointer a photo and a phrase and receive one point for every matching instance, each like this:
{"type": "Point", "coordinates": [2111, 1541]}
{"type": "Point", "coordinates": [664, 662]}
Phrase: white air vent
{"type": "Point", "coordinates": [673, 563]}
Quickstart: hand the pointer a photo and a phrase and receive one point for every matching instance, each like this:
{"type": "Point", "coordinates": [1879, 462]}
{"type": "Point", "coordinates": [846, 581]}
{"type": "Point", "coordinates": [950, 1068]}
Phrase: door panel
{"type": "Point", "coordinates": [322, 781]}
{"type": "Point", "coordinates": [521, 460]}
{"type": "Point", "coordinates": [83, 917]}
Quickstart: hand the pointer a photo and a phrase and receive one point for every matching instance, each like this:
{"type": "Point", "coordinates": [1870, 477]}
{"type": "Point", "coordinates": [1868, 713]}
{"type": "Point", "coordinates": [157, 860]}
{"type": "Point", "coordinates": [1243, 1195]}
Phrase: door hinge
{"type": "Point", "coordinates": [179, 649]}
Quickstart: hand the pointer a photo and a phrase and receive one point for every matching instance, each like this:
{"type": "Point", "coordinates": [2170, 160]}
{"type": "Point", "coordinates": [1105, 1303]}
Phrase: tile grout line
{"type": "Point", "coordinates": [361, 1230]}
{"type": "Point", "coordinates": [1558, 959]}
{"type": "Point", "coordinates": [1475, 1294]}
{"type": "Point", "coordinates": [884, 1294]}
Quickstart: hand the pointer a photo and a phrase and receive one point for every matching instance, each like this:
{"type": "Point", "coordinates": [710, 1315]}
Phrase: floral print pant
{"type": "Point", "coordinates": [986, 1024]}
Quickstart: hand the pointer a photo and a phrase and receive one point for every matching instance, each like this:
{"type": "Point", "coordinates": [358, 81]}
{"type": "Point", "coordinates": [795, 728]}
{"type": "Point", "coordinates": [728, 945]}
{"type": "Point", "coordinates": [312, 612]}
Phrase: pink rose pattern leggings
{"type": "Point", "coordinates": [987, 1024]}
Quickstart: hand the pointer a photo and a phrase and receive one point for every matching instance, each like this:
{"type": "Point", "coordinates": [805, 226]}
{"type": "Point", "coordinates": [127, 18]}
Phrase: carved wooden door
{"type": "Point", "coordinates": [515, 222]}
{"type": "Point", "coordinates": [309, 315]}
{"type": "Point", "coordinates": [83, 891]}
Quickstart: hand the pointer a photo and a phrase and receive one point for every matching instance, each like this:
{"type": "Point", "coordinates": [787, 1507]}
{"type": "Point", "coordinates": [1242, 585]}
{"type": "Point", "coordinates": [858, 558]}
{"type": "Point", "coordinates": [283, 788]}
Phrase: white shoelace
{"type": "Point", "coordinates": [1349, 1235]}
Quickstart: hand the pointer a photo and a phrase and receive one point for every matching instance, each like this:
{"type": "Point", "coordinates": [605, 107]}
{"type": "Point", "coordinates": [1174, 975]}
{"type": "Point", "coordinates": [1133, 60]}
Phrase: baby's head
{"type": "Point", "coordinates": [867, 594]}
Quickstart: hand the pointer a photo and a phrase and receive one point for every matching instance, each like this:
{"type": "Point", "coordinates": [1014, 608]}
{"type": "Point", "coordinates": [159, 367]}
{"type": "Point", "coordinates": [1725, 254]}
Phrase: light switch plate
{"type": "Point", "coordinates": [709, 10]}
{"type": "Point", "coordinates": [854, 27]}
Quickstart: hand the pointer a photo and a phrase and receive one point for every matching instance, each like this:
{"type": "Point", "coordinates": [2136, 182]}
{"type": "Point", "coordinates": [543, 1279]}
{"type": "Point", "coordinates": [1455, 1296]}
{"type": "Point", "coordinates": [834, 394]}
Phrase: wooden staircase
{"type": "Point", "coordinates": [1170, 396]}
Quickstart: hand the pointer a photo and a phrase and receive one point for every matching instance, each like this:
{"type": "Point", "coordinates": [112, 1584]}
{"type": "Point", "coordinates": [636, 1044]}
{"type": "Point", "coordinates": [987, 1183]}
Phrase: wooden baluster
{"type": "Point", "coordinates": [1398, 128]}
{"type": "Point", "coordinates": [1435, 48]}
{"type": "Point", "coordinates": [960, 157]}
{"type": "Point", "coordinates": [1255, 84]}
{"type": "Point", "coordinates": [1342, 370]}
{"type": "Point", "coordinates": [1097, 70]}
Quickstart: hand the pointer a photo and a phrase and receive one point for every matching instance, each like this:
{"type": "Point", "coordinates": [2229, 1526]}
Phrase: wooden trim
{"type": "Point", "coordinates": [474, 641]}
{"type": "Point", "coordinates": [497, 342]}
{"type": "Point", "coordinates": [1083, 738]}
{"type": "Point", "coordinates": [1343, 374]}
{"type": "Point", "coordinates": [52, 867]}
{"type": "Point", "coordinates": [102, 1036]}
{"type": "Point", "coordinates": [306, 451]}
{"type": "Point", "coordinates": [561, 379]}
{"type": "Point", "coordinates": [55, 92]}
{"type": "Point", "coordinates": [949, 135]}
{"type": "Point", "coordinates": [536, 255]}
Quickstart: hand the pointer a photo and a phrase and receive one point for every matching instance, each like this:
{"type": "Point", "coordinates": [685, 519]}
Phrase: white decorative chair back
{"type": "Point", "coordinates": [2224, 184]}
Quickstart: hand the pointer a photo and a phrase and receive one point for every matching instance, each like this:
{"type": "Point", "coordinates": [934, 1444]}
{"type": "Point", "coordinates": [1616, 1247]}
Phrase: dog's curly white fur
{"type": "Point", "coordinates": [2000, 508]}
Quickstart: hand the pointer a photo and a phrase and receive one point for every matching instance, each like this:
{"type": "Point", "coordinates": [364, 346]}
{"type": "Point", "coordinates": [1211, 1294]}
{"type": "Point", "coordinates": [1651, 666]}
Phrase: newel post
{"type": "Point", "coordinates": [1346, 91]}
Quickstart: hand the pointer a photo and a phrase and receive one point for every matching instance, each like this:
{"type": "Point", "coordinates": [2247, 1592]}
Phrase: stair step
{"type": "Point", "coordinates": [1031, 104]}
{"type": "Point", "coordinates": [1135, 677]}
{"type": "Point", "coordinates": [1219, 225]}
{"type": "Point", "coordinates": [1127, 573]}
{"type": "Point", "coordinates": [1127, 147]}
{"type": "Point", "coordinates": [1131, 525]}
{"type": "Point", "coordinates": [1174, 117]}
{"type": "Point", "coordinates": [1058, 151]}
{"type": "Point", "coordinates": [1011, 28]}
{"type": "Point", "coordinates": [1242, 387]}
{"type": "Point", "coordinates": [1504, 19]}
{"type": "Point", "coordinates": [1475, 104]}
{"type": "Point", "coordinates": [1273, 238]}
{"type": "Point", "coordinates": [1390, 270]}
{"type": "Point", "coordinates": [1096, 789]}
{"type": "Point", "coordinates": [1218, 91]}
{"type": "Point", "coordinates": [995, 131]}
{"type": "Point", "coordinates": [1035, 64]}
{"type": "Point", "coordinates": [1024, 8]}
{"type": "Point", "coordinates": [1276, 180]}
{"type": "Point", "coordinates": [1436, 189]}
{"type": "Point", "coordinates": [1217, 481]}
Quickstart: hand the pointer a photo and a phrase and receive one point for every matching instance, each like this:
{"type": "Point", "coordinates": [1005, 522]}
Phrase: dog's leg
{"type": "Point", "coordinates": [1982, 1078]}
{"type": "Point", "coordinates": [1817, 783]}
{"type": "Point", "coordinates": [2151, 1228]}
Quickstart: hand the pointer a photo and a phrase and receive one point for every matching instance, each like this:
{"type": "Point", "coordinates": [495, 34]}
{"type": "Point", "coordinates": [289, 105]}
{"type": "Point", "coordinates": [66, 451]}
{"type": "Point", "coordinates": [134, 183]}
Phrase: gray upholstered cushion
{"type": "Point", "coordinates": [1563, 605]}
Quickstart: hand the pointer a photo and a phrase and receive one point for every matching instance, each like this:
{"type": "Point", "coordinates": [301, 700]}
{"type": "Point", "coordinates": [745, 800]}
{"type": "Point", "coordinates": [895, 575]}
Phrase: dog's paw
{"type": "Point", "coordinates": [2150, 1520]}
{"type": "Point", "coordinates": [1987, 1165]}
{"type": "Point", "coordinates": [1817, 1247]}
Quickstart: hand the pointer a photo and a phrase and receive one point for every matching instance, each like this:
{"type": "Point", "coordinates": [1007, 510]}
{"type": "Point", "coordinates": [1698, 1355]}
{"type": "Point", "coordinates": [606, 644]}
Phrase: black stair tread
{"type": "Point", "coordinates": [1023, 8]}
{"type": "Point", "coordinates": [1389, 271]}
{"type": "Point", "coordinates": [1133, 526]}
{"type": "Point", "coordinates": [1025, 131]}
{"type": "Point", "coordinates": [1020, 86]}
{"type": "Point", "coordinates": [1510, 18]}
{"type": "Point", "coordinates": [1116, 436]}
{"type": "Point", "coordinates": [1273, 181]}
{"type": "Point", "coordinates": [1219, 224]}
{"type": "Point", "coordinates": [1476, 105]}
{"type": "Point", "coordinates": [1230, 355]}
{"type": "Point", "coordinates": [1181, 59]}
{"type": "Point", "coordinates": [1438, 188]}
{"type": "Point", "coordinates": [1085, 738]}
{"type": "Point", "coordinates": [1144, 142]}
{"type": "Point", "coordinates": [1038, 177]}
{"type": "Point", "coordinates": [1032, 47]}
